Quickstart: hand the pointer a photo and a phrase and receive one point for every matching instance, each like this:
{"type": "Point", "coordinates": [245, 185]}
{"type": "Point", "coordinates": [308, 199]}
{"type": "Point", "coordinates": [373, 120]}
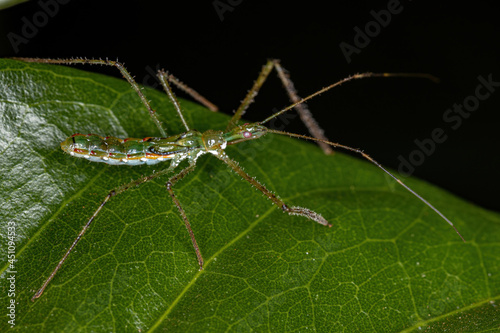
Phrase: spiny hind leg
{"type": "Point", "coordinates": [170, 183]}
{"type": "Point", "coordinates": [292, 210]}
{"type": "Point", "coordinates": [111, 194]}
{"type": "Point", "coordinates": [106, 62]}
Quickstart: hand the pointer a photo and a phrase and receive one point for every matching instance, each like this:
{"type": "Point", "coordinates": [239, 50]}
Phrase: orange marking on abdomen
{"type": "Point", "coordinates": [79, 151]}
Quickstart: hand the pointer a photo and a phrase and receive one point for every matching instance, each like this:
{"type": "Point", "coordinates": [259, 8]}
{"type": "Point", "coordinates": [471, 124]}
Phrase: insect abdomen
{"type": "Point", "coordinates": [113, 150]}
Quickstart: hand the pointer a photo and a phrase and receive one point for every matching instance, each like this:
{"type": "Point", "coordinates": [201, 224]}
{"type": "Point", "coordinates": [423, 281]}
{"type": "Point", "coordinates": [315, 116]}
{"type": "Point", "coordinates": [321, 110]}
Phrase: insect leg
{"type": "Point", "coordinates": [274, 198]}
{"type": "Point", "coordinates": [193, 93]}
{"type": "Point", "coordinates": [170, 183]}
{"type": "Point", "coordinates": [266, 69]}
{"type": "Point", "coordinates": [119, 66]}
{"type": "Point", "coordinates": [163, 76]}
{"type": "Point", "coordinates": [304, 113]}
{"type": "Point", "coordinates": [344, 80]}
{"type": "Point", "coordinates": [302, 109]}
{"type": "Point", "coordinates": [111, 194]}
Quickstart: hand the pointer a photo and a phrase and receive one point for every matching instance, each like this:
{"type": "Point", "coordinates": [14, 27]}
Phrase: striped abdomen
{"type": "Point", "coordinates": [128, 151]}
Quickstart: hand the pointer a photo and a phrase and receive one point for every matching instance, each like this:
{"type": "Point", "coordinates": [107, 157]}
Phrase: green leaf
{"type": "Point", "coordinates": [9, 3]}
{"type": "Point", "coordinates": [388, 263]}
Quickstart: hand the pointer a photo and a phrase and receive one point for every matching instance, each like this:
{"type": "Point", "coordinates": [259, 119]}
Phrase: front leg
{"type": "Point", "coordinates": [294, 210]}
{"type": "Point", "coordinates": [303, 111]}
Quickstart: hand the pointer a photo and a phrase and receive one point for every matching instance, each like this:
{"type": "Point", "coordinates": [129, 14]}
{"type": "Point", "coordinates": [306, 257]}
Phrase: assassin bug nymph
{"type": "Point", "coordinates": [191, 144]}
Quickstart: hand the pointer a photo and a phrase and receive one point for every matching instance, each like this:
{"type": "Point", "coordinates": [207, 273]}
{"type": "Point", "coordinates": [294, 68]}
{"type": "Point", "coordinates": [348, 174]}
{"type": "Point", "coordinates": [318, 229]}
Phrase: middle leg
{"type": "Point", "coordinates": [170, 183]}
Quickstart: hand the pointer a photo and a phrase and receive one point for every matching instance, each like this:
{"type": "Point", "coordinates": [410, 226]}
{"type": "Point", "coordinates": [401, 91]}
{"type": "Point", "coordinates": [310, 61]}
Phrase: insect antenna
{"type": "Point", "coordinates": [350, 78]}
{"type": "Point", "coordinates": [355, 150]}
{"type": "Point", "coordinates": [369, 158]}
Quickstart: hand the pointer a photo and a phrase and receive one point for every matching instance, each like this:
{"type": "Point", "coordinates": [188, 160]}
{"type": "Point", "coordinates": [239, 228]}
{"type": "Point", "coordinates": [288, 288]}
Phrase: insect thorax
{"type": "Point", "coordinates": [213, 141]}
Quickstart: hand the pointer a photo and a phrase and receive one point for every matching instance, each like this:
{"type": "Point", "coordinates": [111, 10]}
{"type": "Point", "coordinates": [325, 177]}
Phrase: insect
{"type": "Point", "coordinates": [192, 144]}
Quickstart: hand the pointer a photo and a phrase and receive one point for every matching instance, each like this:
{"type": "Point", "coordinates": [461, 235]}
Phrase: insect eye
{"type": "Point", "coordinates": [247, 134]}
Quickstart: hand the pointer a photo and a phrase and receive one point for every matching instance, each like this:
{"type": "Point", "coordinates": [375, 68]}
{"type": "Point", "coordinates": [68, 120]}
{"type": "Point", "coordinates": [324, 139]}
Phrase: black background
{"type": "Point", "coordinates": [221, 58]}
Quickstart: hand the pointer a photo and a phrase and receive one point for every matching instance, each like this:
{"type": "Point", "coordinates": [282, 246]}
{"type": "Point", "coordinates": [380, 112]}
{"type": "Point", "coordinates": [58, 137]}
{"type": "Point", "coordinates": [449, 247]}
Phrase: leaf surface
{"type": "Point", "coordinates": [388, 263]}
